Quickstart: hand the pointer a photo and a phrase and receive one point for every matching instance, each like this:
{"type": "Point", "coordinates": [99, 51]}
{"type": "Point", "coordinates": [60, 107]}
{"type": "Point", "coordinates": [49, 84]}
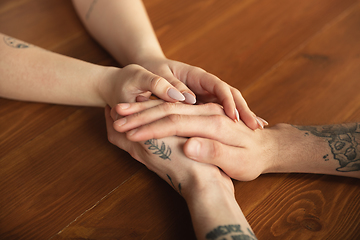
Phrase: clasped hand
{"type": "Point", "coordinates": [209, 136]}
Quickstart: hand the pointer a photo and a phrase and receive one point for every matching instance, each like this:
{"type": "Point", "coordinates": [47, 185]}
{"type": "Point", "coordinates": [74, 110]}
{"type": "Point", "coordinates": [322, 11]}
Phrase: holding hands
{"type": "Point", "coordinates": [193, 81]}
{"type": "Point", "coordinates": [208, 191]}
{"type": "Point", "coordinates": [215, 138]}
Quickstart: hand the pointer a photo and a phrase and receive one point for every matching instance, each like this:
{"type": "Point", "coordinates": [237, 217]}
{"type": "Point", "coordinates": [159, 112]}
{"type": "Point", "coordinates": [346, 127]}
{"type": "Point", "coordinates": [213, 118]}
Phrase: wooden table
{"type": "Point", "coordinates": [294, 61]}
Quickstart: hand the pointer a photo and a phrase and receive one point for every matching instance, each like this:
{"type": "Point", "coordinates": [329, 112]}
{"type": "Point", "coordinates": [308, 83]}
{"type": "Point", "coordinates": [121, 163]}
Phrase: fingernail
{"type": "Point", "coordinates": [175, 94]}
{"type": "Point", "coordinates": [189, 98]}
{"type": "Point", "coordinates": [132, 132]}
{"type": "Point", "coordinates": [237, 115]}
{"type": "Point", "coordinates": [194, 149]}
{"type": "Point", "coordinates": [263, 120]}
{"type": "Point", "coordinates": [259, 123]}
{"type": "Point", "coordinates": [124, 105]}
{"type": "Point", "coordinates": [120, 122]}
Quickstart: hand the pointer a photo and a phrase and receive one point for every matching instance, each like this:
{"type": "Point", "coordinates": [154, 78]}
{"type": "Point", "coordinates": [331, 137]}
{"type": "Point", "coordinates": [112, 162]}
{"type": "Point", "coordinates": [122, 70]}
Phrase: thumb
{"type": "Point", "coordinates": [160, 87]}
{"type": "Point", "coordinates": [205, 150]}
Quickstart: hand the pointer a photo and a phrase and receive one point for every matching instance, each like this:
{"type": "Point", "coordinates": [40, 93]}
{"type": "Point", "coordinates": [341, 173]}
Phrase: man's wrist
{"type": "Point", "coordinates": [299, 151]}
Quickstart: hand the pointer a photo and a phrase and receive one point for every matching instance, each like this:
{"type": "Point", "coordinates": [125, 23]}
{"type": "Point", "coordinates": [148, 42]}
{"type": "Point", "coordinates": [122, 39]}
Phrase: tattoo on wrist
{"type": "Point", "coordinates": [344, 143]}
{"type": "Point", "coordinates": [163, 151]}
{"type": "Point", "coordinates": [90, 9]}
{"type": "Point", "coordinates": [15, 43]}
{"type": "Point", "coordinates": [172, 184]}
{"type": "Point", "coordinates": [232, 232]}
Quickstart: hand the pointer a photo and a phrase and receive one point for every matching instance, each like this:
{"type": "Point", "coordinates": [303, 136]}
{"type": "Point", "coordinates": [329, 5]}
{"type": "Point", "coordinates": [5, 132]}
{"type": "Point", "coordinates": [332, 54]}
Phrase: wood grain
{"type": "Point", "coordinates": [295, 62]}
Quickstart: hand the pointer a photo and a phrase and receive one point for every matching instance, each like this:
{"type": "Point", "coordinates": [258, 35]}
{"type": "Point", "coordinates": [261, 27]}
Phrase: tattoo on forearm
{"type": "Point", "coordinates": [15, 43]}
{"type": "Point", "coordinates": [234, 231]}
{"type": "Point", "coordinates": [172, 184]}
{"type": "Point", "coordinates": [164, 151]}
{"type": "Point", "coordinates": [344, 142]}
{"type": "Point", "coordinates": [90, 9]}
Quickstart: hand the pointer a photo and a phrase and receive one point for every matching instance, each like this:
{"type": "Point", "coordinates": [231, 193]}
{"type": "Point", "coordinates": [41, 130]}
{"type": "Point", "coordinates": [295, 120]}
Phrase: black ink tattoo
{"type": "Point", "coordinates": [90, 9]}
{"type": "Point", "coordinates": [344, 142]}
{"type": "Point", "coordinates": [163, 151]}
{"type": "Point", "coordinates": [179, 186]}
{"type": "Point", "coordinates": [12, 42]}
{"type": "Point", "coordinates": [233, 231]}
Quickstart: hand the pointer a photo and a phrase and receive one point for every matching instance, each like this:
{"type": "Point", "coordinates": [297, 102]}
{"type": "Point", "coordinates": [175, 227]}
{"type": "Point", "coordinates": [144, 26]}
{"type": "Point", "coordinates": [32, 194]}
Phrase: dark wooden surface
{"type": "Point", "coordinates": [294, 61]}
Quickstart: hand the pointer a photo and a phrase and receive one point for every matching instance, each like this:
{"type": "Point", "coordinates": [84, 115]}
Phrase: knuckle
{"type": "Point", "coordinates": [168, 107]}
{"type": "Point", "coordinates": [155, 81]}
{"type": "Point", "coordinates": [133, 67]}
{"type": "Point", "coordinates": [215, 108]}
{"type": "Point", "coordinates": [234, 90]}
{"type": "Point", "coordinates": [216, 150]}
{"type": "Point", "coordinates": [174, 118]}
{"type": "Point", "coordinates": [219, 121]}
{"type": "Point", "coordinates": [199, 69]}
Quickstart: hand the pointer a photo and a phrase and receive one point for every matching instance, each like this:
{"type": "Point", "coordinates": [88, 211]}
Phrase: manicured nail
{"type": "Point", "coordinates": [124, 105]}
{"type": "Point", "coordinates": [189, 98]}
{"type": "Point", "coordinates": [132, 132]}
{"type": "Point", "coordinates": [194, 149]}
{"type": "Point", "coordinates": [120, 122]}
{"type": "Point", "coordinates": [259, 123]}
{"type": "Point", "coordinates": [237, 115]}
{"type": "Point", "coordinates": [175, 94]}
{"type": "Point", "coordinates": [263, 120]}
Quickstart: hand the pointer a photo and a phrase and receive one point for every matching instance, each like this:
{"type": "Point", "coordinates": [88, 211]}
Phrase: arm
{"type": "Point", "coordinates": [124, 29]}
{"type": "Point", "coordinates": [332, 149]}
{"type": "Point", "coordinates": [209, 193]}
{"type": "Point", "coordinates": [33, 74]}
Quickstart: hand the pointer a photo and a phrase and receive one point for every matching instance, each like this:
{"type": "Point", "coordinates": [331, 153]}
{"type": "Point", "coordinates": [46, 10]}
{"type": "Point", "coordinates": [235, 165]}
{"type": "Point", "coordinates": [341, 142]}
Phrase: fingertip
{"type": "Point", "coordinates": [263, 121]}
{"type": "Point", "coordinates": [189, 98]}
{"type": "Point", "coordinates": [192, 148]}
{"type": "Point", "coordinates": [113, 114]}
{"type": "Point", "coordinates": [260, 124]}
{"type": "Point", "coordinates": [141, 98]}
{"type": "Point", "coordinates": [251, 121]}
{"type": "Point", "coordinates": [135, 135]}
{"type": "Point", "coordinates": [174, 94]}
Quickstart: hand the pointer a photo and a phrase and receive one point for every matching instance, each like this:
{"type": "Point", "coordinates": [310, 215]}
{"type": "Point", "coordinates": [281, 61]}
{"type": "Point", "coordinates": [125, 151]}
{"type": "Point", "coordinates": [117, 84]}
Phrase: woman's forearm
{"type": "Point", "coordinates": [30, 73]}
{"type": "Point", "coordinates": [122, 27]}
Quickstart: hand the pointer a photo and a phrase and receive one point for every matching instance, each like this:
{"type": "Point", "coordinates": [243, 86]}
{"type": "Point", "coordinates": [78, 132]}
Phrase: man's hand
{"type": "Point", "coordinates": [208, 191]}
{"type": "Point", "coordinates": [240, 152]}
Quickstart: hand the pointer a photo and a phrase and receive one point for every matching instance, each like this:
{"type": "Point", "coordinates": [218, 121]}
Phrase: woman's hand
{"type": "Point", "coordinates": [192, 81]}
{"type": "Point", "coordinates": [121, 85]}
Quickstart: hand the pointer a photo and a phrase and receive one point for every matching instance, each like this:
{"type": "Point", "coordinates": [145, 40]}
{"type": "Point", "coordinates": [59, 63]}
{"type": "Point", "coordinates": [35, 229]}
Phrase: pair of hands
{"type": "Point", "coordinates": [174, 81]}
{"type": "Point", "coordinates": [204, 134]}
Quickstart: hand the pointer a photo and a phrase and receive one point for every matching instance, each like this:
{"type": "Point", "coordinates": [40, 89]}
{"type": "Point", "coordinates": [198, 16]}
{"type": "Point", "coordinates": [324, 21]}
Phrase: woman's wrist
{"type": "Point", "coordinates": [148, 56]}
{"type": "Point", "coordinates": [105, 84]}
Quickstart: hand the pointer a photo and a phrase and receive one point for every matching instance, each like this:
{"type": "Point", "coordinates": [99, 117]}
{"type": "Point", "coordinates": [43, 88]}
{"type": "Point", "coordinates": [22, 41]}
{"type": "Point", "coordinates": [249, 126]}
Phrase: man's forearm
{"type": "Point", "coordinates": [328, 149]}
{"type": "Point", "coordinates": [216, 215]}
{"type": "Point", "coordinates": [122, 27]}
{"type": "Point", "coordinates": [33, 74]}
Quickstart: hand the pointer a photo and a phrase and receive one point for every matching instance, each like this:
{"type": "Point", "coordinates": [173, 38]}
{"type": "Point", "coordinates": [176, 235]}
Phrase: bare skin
{"type": "Point", "coordinates": [209, 192]}
{"type": "Point", "coordinates": [240, 152]}
{"type": "Point", "coordinates": [124, 29]}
